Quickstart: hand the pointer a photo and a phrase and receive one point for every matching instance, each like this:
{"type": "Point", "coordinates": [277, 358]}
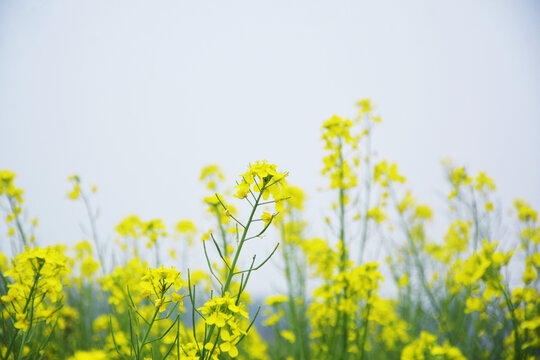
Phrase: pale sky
{"type": "Point", "coordinates": [137, 96]}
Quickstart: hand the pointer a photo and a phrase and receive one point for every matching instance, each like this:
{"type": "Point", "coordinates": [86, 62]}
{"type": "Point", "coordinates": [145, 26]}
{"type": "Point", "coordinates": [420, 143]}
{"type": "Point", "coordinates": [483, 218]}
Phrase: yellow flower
{"type": "Point", "coordinates": [406, 203]}
{"type": "Point", "coordinates": [22, 323]}
{"type": "Point", "coordinates": [74, 193]}
{"type": "Point", "coordinates": [473, 304]}
{"type": "Point", "coordinates": [89, 267]}
{"type": "Point", "coordinates": [216, 318]}
{"type": "Point", "coordinates": [161, 304]}
{"type": "Point", "coordinates": [423, 212]}
{"type": "Point", "coordinates": [186, 226]}
{"type": "Point", "coordinates": [529, 275]}
{"type": "Point", "coordinates": [276, 299]}
{"type": "Point", "coordinates": [403, 280]}
{"type": "Point", "coordinates": [288, 335]}
{"type": "Point", "coordinates": [427, 345]}
{"type": "Point", "coordinates": [385, 173]}
{"type": "Point", "coordinates": [365, 105]}
{"type": "Point", "coordinates": [228, 344]}
{"type": "Point", "coordinates": [483, 182]}
{"type": "Point", "coordinates": [376, 214]}
{"type": "Point", "coordinates": [176, 297]}
{"type": "Point", "coordinates": [211, 174]}
{"type": "Point", "coordinates": [242, 190]}
{"type": "Point", "coordinates": [267, 218]}
{"type": "Point", "coordinates": [263, 177]}
{"type": "Point", "coordinates": [206, 235]}
{"type": "Point", "coordinates": [525, 212]}
{"type": "Point", "coordinates": [272, 320]}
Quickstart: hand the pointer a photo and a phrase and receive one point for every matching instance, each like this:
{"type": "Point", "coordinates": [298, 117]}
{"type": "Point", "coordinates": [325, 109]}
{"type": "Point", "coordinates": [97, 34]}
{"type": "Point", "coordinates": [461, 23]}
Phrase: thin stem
{"type": "Point", "coordinates": [230, 275]}
{"type": "Point", "coordinates": [93, 229]}
{"type": "Point", "coordinates": [145, 337]}
{"type": "Point", "coordinates": [28, 300]}
{"type": "Point", "coordinates": [515, 323]}
{"type": "Point", "coordinates": [17, 222]}
{"type": "Point", "coordinates": [242, 240]}
{"type": "Point", "coordinates": [365, 329]}
{"type": "Point", "coordinates": [365, 222]}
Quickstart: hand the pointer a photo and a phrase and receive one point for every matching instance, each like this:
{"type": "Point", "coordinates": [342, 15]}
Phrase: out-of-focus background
{"type": "Point", "coordinates": [138, 96]}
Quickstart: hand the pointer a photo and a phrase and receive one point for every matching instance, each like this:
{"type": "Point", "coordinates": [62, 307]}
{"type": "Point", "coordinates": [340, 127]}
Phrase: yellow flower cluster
{"type": "Point", "coordinates": [483, 265]}
{"type": "Point", "coordinates": [321, 256]}
{"type": "Point", "coordinates": [344, 302]}
{"type": "Point", "coordinates": [225, 314]}
{"type": "Point", "coordinates": [337, 134]}
{"type": "Point", "coordinates": [295, 198]}
{"type": "Point", "coordinates": [525, 212]}
{"type": "Point", "coordinates": [426, 347]}
{"type": "Point", "coordinates": [275, 312]}
{"type": "Point", "coordinates": [385, 173]}
{"type": "Point", "coordinates": [158, 285]}
{"type": "Point", "coordinates": [75, 192]}
{"type": "Point", "coordinates": [454, 298]}
{"type": "Point", "coordinates": [14, 202]}
{"type": "Point", "coordinates": [460, 179]}
{"type": "Point", "coordinates": [527, 313]}
{"type": "Point", "coordinates": [188, 229]}
{"type": "Point", "coordinates": [211, 174]}
{"type": "Point", "coordinates": [263, 178]}
{"type": "Point", "coordinates": [192, 351]}
{"type": "Point", "coordinates": [7, 186]}
{"type": "Point", "coordinates": [122, 279]}
{"type": "Point", "coordinates": [35, 292]}
{"type": "Point", "coordinates": [456, 242]}
{"type": "Point", "coordinates": [88, 266]}
{"type": "Point", "coordinates": [134, 228]}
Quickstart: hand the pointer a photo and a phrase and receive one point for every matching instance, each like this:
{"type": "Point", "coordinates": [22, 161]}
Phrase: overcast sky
{"type": "Point", "coordinates": [137, 96]}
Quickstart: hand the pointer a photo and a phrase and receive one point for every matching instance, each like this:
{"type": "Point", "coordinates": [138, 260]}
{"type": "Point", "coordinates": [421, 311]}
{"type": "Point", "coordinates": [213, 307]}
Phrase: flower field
{"type": "Point", "coordinates": [469, 294]}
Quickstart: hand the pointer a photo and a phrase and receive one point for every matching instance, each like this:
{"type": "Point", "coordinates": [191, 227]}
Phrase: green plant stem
{"type": "Point", "coordinates": [230, 274]}
{"type": "Point", "coordinates": [222, 231]}
{"type": "Point", "coordinates": [475, 220]}
{"type": "Point", "coordinates": [515, 323]}
{"type": "Point", "coordinates": [343, 257]}
{"type": "Point", "coordinates": [292, 296]}
{"type": "Point", "coordinates": [93, 229]}
{"type": "Point", "coordinates": [17, 222]}
{"type": "Point", "coordinates": [365, 329]}
{"type": "Point", "coordinates": [145, 337]}
{"type": "Point", "coordinates": [365, 219]}
{"type": "Point", "coordinates": [28, 300]}
{"type": "Point", "coordinates": [416, 258]}
{"type": "Point", "coordinates": [242, 240]}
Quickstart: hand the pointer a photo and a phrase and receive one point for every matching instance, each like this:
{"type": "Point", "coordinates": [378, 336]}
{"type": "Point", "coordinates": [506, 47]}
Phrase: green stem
{"type": "Point", "coordinates": [242, 240]}
{"type": "Point", "coordinates": [17, 222]}
{"type": "Point", "coordinates": [93, 229]}
{"type": "Point", "coordinates": [145, 337]}
{"type": "Point", "coordinates": [343, 257]}
{"type": "Point", "coordinates": [292, 296]}
{"type": "Point", "coordinates": [28, 300]}
{"type": "Point", "coordinates": [222, 231]}
{"type": "Point", "coordinates": [416, 258]}
{"type": "Point", "coordinates": [368, 197]}
{"type": "Point", "coordinates": [515, 323]}
{"type": "Point", "coordinates": [235, 260]}
{"type": "Point", "coordinates": [365, 330]}
{"type": "Point", "coordinates": [475, 220]}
